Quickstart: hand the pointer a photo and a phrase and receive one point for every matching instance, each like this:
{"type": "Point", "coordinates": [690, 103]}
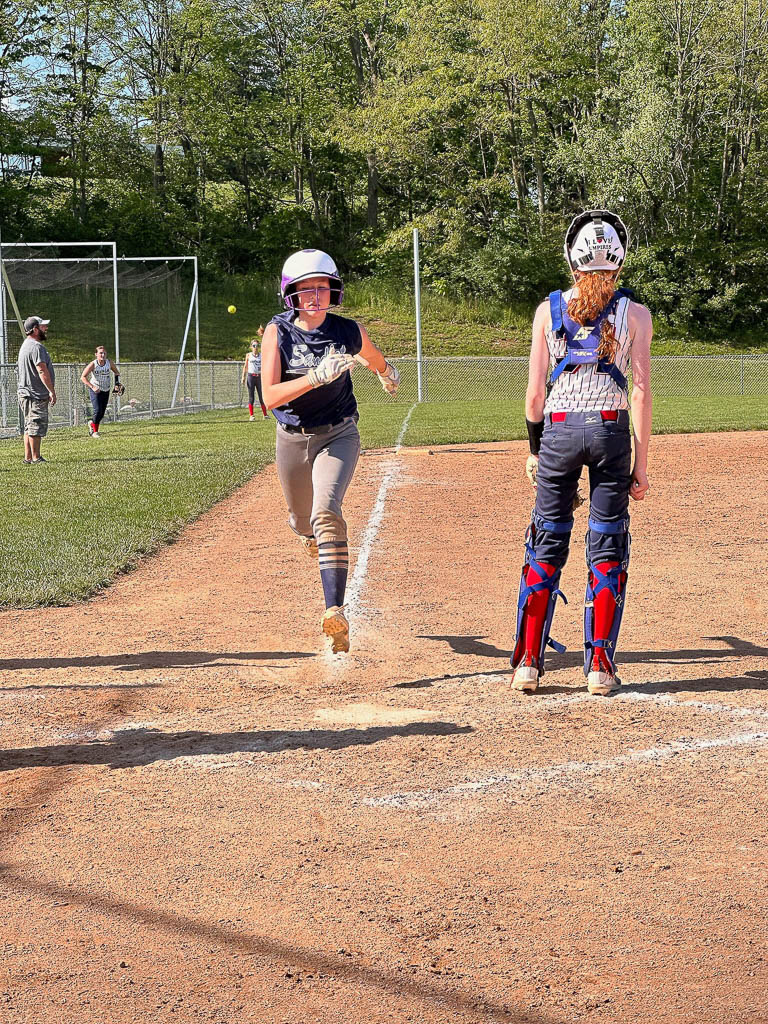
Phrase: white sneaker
{"type": "Point", "coordinates": [336, 626]}
{"type": "Point", "coordinates": [251, 418]}
{"type": "Point", "coordinates": [602, 683]}
{"type": "Point", "coordinates": [526, 678]}
{"type": "Point", "coordinates": [96, 435]}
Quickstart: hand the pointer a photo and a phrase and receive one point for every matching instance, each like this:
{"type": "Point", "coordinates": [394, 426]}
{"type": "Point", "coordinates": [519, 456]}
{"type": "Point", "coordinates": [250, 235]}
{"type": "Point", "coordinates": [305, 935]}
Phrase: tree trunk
{"type": "Point", "coordinates": [537, 161]}
{"type": "Point", "coordinates": [373, 191]}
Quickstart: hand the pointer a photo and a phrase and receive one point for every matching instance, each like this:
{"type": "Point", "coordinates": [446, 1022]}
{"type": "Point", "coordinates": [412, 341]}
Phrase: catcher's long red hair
{"type": "Point", "coordinates": [594, 293]}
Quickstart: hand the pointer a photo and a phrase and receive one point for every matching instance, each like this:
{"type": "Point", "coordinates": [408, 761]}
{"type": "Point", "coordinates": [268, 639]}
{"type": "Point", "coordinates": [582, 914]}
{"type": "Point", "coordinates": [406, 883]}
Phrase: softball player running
{"type": "Point", "coordinates": [252, 370]}
{"type": "Point", "coordinates": [585, 339]}
{"type": "Point", "coordinates": [97, 377]}
{"type": "Point", "coordinates": [307, 353]}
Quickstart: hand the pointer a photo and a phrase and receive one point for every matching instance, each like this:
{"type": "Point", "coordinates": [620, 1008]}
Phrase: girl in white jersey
{"type": "Point", "coordinates": [97, 377]}
{"type": "Point", "coordinates": [585, 341]}
{"type": "Point", "coordinates": [252, 370]}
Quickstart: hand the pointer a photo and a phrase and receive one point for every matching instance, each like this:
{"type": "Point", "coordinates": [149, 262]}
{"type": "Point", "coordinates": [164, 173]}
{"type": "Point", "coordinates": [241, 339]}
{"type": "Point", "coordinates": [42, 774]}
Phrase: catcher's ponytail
{"type": "Point", "coordinates": [594, 293]}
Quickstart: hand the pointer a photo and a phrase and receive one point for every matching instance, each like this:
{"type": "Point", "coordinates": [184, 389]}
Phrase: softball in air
{"type": "Point", "coordinates": [231, 309]}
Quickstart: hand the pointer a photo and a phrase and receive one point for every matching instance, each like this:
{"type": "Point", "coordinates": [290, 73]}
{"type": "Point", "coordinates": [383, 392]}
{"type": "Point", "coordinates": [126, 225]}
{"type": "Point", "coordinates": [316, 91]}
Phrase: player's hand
{"type": "Point", "coordinates": [52, 396]}
{"type": "Point", "coordinates": [330, 368]}
{"type": "Point", "coordinates": [640, 486]}
{"type": "Point", "coordinates": [390, 378]}
{"type": "Point", "coordinates": [532, 468]}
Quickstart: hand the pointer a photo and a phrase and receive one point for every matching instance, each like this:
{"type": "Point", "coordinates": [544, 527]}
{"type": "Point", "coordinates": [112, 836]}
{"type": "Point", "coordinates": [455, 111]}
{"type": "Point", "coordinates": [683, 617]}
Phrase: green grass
{"type": "Point", "coordinates": [72, 525]}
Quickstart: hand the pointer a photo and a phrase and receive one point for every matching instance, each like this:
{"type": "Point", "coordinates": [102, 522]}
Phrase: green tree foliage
{"type": "Point", "coordinates": [239, 129]}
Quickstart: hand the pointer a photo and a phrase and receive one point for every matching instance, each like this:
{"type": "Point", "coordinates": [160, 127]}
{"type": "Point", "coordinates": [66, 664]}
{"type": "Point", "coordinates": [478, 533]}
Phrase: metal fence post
{"type": "Point", "coordinates": [213, 394]}
{"type": "Point", "coordinates": [151, 390]}
{"type": "Point", "coordinates": [742, 373]}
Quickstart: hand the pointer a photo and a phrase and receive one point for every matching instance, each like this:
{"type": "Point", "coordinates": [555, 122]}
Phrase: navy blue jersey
{"type": "Point", "coordinates": [301, 350]}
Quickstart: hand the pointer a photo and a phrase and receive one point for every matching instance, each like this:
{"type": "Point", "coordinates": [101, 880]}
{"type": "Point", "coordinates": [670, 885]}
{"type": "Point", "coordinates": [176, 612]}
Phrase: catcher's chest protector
{"type": "Point", "coordinates": [582, 342]}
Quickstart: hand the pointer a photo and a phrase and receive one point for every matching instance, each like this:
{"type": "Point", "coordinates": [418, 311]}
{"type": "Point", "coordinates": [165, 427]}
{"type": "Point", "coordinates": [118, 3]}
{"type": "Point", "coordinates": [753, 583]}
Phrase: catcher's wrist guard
{"type": "Point", "coordinates": [535, 431]}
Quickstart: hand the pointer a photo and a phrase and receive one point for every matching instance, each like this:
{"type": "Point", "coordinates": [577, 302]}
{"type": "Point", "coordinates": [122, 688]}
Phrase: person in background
{"type": "Point", "coordinates": [36, 387]}
{"type": "Point", "coordinates": [252, 369]}
{"type": "Point", "coordinates": [97, 377]}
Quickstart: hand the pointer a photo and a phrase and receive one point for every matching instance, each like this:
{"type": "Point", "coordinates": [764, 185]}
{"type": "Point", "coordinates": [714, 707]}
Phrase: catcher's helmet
{"type": "Point", "coordinates": [309, 263]}
{"type": "Point", "coordinates": [596, 240]}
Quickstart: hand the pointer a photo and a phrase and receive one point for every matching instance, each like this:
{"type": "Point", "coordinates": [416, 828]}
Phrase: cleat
{"type": "Point", "coordinates": [91, 429]}
{"type": "Point", "coordinates": [310, 545]}
{"type": "Point", "coordinates": [601, 683]}
{"type": "Point", "coordinates": [526, 677]}
{"type": "Point", "coordinates": [251, 417]}
{"type": "Point", "coordinates": [96, 435]}
{"type": "Point", "coordinates": [336, 626]}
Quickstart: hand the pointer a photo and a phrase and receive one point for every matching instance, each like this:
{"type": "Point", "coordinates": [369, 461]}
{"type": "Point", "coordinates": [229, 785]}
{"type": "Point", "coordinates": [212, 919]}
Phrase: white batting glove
{"type": "Point", "coordinates": [532, 468]}
{"type": "Point", "coordinates": [390, 379]}
{"type": "Point", "coordinates": [330, 367]}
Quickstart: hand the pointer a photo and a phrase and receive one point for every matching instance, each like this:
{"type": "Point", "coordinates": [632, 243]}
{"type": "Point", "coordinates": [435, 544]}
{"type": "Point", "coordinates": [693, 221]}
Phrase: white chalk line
{"type": "Point", "coordinates": [568, 772]}
{"type": "Point", "coordinates": [392, 470]}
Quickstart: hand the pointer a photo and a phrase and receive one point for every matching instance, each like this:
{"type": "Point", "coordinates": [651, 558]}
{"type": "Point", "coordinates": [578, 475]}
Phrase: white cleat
{"type": "Point", "coordinates": [251, 418]}
{"type": "Point", "coordinates": [526, 678]}
{"type": "Point", "coordinates": [602, 684]}
{"type": "Point", "coordinates": [336, 626]}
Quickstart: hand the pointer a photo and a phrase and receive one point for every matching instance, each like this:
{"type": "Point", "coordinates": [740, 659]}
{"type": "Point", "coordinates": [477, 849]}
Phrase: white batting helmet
{"type": "Point", "coordinates": [310, 263]}
{"type": "Point", "coordinates": [596, 240]}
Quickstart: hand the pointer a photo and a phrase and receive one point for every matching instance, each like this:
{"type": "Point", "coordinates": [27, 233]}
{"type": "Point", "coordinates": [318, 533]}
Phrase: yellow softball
{"type": "Point", "coordinates": [231, 309]}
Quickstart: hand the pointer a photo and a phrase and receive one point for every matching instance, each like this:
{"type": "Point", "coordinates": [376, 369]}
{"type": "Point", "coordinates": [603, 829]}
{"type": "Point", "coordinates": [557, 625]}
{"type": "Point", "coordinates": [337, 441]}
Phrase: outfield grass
{"type": "Point", "coordinates": [95, 508]}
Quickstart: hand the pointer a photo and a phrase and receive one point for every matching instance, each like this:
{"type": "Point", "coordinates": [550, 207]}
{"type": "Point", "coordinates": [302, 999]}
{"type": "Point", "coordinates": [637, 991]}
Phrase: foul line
{"type": "Point", "coordinates": [564, 772]}
{"type": "Point", "coordinates": [375, 519]}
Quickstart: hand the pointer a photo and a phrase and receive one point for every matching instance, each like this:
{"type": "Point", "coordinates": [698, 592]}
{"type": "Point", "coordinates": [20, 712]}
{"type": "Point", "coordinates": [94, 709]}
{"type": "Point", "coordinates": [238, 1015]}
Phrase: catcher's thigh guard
{"type": "Point", "coordinates": [606, 585]}
{"type": "Point", "coordinates": [547, 581]}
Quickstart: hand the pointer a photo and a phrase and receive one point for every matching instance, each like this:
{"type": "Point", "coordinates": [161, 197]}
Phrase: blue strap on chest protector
{"type": "Point", "coordinates": [583, 352]}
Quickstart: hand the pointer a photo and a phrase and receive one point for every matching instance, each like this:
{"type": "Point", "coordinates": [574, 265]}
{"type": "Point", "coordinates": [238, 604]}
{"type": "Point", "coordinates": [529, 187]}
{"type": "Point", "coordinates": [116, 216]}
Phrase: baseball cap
{"type": "Point", "coordinates": [34, 321]}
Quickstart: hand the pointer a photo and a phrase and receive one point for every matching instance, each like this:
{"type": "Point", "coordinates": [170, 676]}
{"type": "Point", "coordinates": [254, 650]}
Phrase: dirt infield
{"type": "Point", "coordinates": [207, 818]}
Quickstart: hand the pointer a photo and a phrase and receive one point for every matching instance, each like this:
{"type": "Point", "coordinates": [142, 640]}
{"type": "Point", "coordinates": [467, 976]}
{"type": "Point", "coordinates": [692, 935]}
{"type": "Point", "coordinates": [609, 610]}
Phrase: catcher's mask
{"type": "Point", "coordinates": [596, 240]}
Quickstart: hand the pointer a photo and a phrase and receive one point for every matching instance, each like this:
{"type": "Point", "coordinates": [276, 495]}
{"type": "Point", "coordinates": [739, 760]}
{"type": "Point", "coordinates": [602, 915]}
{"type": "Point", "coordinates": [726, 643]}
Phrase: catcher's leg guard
{"type": "Point", "coordinates": [536, 605]}
{"type": "Point", "coordinates": [604, 600]}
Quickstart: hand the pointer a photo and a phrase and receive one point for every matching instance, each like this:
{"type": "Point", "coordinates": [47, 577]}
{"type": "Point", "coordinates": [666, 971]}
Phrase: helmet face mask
{"type": "Point", "coordinates": [305, 264]}
{"type": "Point", "coordinates": [596, 240]}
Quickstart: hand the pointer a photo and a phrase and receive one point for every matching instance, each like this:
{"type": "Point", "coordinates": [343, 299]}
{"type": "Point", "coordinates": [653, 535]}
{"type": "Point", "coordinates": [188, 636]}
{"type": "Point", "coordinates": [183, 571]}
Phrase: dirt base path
{"type": "Point", "coordinates": [208, 818]}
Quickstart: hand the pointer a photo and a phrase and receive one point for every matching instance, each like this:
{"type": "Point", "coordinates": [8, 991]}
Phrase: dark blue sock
{"type": "Point", "coordinates": [334, 567]}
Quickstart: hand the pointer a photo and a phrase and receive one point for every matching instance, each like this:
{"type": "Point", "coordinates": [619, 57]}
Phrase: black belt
{"type": "Point", "coordinates": [321, 428]}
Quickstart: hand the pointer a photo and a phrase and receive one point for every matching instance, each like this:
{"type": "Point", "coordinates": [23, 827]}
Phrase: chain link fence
{"type": "Point", "coordinates": [159, 389]}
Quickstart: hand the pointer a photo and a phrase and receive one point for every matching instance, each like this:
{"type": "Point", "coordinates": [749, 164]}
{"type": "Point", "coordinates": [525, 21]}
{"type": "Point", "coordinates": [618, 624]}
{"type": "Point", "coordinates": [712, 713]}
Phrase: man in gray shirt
{"type": "Point", "coordinates": [36, 387]}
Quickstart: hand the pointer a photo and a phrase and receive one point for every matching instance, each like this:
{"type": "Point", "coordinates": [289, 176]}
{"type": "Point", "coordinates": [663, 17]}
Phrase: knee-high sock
{"type": "Point", "coordinates": [334, 567]}
{"type": "Point", "coordinates": [250, 408]}
{"type": "Point", "coordinates": [536, 612]}
{"type": "Point", "coordinates": [604, 609]}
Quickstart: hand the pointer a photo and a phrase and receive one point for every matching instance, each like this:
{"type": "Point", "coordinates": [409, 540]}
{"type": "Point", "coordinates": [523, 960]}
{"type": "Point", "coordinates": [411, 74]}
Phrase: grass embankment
{"type": "Point", "coordinates": [72, 525]}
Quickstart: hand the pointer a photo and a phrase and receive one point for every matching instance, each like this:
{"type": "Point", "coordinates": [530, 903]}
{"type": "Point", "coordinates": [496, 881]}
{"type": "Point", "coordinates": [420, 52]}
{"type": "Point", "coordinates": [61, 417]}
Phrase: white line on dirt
{"type": "Point", "coordinates": [393, 467]}
{"type": "Point", "coordinates": [570, 771]}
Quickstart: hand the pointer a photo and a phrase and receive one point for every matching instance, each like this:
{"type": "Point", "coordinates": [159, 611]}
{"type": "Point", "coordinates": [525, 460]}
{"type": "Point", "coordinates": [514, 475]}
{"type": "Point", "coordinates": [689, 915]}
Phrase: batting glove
{"type": "Point", "coordinates": [330, 368]}
{"type": "Point", "coordinates": [390, 379]}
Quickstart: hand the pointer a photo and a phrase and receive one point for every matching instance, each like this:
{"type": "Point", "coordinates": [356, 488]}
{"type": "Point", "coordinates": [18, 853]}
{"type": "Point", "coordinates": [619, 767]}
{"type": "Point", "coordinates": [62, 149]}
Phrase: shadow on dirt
{"type": "Point", "coordinates": [154, 659]}
{"type": "Point", "coordinates": [130, 748]}
{"type": "Point", "coordinates": [82, 686]}
{"type": "Point", "coordinates": [454, 1003]}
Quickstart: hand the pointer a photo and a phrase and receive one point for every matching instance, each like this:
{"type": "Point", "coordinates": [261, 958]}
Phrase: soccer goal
{"type": "Point", "coordinates": [142, 308]}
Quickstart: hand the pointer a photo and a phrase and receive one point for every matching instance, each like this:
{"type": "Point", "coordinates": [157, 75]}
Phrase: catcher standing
{"type": "Point", "coordinates": [585, 340]}
{"type": "Point", "coordinates": [97, 377]}
{"type": "Point", "coordinates": [307, 353]}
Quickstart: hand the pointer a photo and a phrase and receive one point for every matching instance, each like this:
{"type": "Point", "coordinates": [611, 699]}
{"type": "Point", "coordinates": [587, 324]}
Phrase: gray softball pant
{"type": "Point", "coordinates": [315, 471]}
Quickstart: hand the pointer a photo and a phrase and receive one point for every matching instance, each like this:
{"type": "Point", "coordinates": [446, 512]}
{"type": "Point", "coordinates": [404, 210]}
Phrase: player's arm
{"type": "Point", "coordinates": [115, 369]}
{"type": "Point", "coordinates": [84, 374]}
{"type": "Point", "coordinates": [536, 393]}
{"type": "Point", "coordinates": [277, 392]}
{"type": "Point", "coordinates": [641, 332]}
{"type": "Point", "coordinates": [245, 368]}
{"type": "Point", "coordinates": [372, 357]}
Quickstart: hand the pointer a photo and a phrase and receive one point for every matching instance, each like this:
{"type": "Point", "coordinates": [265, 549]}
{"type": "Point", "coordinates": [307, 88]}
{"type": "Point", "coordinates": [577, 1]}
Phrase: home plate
{"type": "Point", "coordinates": [372, 714]}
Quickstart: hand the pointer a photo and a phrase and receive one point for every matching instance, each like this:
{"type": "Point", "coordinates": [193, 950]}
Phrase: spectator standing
{"type": "Point", "coordinates": [36, 387]}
